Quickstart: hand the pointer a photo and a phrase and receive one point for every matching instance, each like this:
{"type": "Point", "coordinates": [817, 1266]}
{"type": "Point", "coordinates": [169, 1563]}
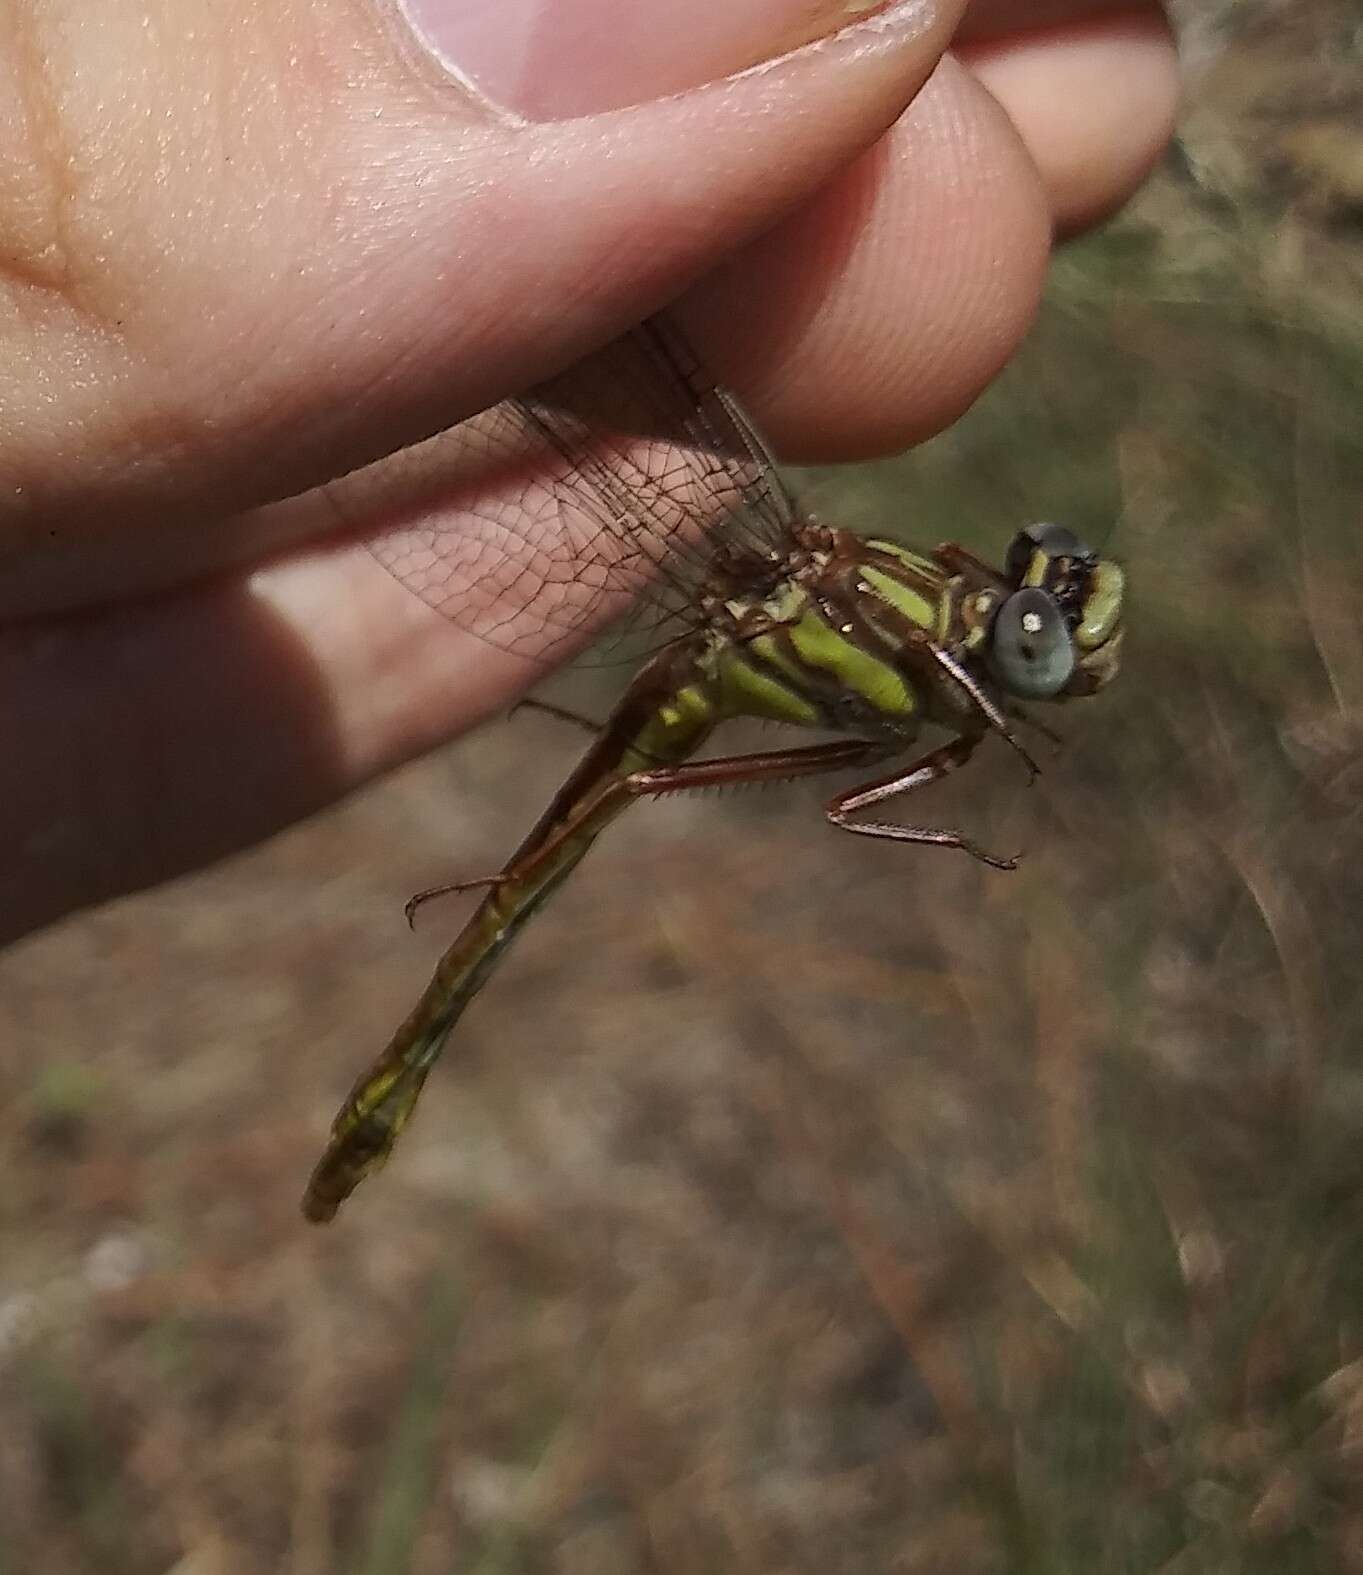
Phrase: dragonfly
{"type": "Point", "coordinates": [646, 484]}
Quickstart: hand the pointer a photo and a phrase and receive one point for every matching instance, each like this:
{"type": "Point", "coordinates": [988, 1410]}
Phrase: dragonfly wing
{"type": "Point", "coordinates": [612, 482]}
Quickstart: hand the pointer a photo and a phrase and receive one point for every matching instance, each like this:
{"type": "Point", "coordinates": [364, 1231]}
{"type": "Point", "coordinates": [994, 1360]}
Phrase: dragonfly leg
{"type": "Point", "coordinates": [421, 898]}
{"type": "Point", "coordinates": [453, 888]}
{"type": "Point", "coordinates": [1052, 737]}
{"type": "Point", "coordinates": [931, 768]}
{"type": "Point", "coordinates": [955, 558]}
{"type": "Point", "coordinates": [987, 708]}
{"type": "Point", "coordinates": [529, 703]}
{"type": "Point", "coordinates": [777, 765]}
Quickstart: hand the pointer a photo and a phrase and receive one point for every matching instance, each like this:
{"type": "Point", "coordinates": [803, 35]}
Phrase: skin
{"type": "Point", "coordinates": [252, 258]}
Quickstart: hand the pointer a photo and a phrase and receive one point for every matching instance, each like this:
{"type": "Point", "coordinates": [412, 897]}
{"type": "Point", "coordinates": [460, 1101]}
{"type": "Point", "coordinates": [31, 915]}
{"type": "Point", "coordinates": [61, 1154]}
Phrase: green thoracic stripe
{"type": "Point", "coordinates": [747, 691]}
{"type": "Point", "coordinates": [766, 647]}
{"type": "Point", "coordinates": [818, 643]}
{"type": "Point", "coordinates": [914, 606]}
{"type": "Point", "coordinates": [927, 567]}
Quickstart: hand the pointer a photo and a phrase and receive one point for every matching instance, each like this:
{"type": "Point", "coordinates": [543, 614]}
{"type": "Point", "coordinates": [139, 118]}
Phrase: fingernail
{"type": "Point", "coordinates": [553, 59]}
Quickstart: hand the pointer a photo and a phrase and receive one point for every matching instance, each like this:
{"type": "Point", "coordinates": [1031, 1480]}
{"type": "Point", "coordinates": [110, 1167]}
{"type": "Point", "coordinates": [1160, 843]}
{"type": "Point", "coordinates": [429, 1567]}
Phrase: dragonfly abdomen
{"type": "Point", "coordinates": [663, 718]}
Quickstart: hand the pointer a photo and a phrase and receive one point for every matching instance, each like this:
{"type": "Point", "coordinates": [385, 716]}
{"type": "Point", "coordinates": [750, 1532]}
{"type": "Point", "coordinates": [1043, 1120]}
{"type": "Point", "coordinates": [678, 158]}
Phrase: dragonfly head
{"type": "Point", "coordinates": [1058, 629]}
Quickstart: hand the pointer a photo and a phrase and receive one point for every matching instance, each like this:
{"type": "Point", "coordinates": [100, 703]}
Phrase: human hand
{"type": "Point", "coordinates": [252, 259]}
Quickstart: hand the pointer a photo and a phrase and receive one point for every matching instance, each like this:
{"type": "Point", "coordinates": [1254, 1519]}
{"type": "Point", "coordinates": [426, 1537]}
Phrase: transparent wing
{"type": "Point", "coordinates": [614, 481]}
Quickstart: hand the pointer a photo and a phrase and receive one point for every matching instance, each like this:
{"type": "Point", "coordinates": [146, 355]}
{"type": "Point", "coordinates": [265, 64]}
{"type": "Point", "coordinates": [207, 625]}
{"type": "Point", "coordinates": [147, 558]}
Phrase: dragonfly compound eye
{"type": "Point", "coordinates": [1031, 650]}
{"type": "Point", "coordinates": [1050, 542]}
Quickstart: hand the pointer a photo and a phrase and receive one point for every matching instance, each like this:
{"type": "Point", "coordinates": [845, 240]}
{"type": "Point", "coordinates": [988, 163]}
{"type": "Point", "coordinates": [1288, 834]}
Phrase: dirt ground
{"type": "Point", "coordinates": [792, 1203]}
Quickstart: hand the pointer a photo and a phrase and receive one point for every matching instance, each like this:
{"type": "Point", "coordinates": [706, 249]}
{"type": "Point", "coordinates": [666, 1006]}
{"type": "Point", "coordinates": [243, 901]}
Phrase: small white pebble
{"type": "Point", "coordinates": [492, 1492]}
{"type": "Point", "coordinates": [114, 1262]}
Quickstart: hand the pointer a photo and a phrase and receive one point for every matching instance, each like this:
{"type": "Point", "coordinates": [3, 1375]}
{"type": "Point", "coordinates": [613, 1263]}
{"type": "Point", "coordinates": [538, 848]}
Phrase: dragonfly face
{"type": "Point", "coordinates": [1058, 633]}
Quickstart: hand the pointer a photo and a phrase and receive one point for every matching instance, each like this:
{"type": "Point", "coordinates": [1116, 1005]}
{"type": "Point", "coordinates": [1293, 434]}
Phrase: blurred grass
{"type": "Point", "coordinates": [792, 1207]}
{"type": "Point", "coordinates": [405, 1481]}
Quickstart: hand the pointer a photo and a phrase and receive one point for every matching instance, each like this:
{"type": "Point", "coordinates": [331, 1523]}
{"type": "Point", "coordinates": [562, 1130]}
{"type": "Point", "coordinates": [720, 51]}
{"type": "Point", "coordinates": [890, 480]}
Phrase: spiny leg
{"type": "Point", "coordinates": [931, 768]}
{"type": "Point", "coordinates": [777, 765]}
{"type": "Point", "coordinates": [987, 707]}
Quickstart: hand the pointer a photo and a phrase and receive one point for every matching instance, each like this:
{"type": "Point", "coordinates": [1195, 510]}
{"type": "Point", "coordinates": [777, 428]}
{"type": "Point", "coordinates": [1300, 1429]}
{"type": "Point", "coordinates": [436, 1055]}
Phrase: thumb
{"type": "Point", "coordinates": [290, 242]}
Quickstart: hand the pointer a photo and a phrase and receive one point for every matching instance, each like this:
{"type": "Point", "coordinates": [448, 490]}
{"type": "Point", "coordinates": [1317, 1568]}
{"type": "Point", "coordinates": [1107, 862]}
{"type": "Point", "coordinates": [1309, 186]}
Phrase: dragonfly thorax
{"type": "Point", "coordinates": [745, 574]}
